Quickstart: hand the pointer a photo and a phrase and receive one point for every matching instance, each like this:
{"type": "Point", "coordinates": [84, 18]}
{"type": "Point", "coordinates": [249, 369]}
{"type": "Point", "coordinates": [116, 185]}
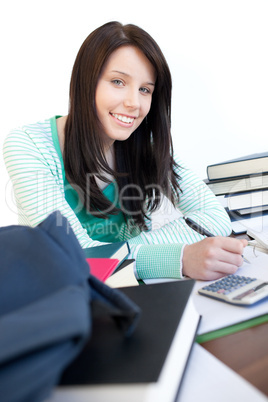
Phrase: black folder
{"type": "Point", "coordinates": [148, 365]}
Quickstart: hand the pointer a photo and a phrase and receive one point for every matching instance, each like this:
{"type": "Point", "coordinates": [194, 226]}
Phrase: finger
{"type": "Point", "coordinates": [231, 258]}
{"type": "Point", "coordinates": [220, 271]}
{"type": "Point", "coordinates": [232, 245]}
{"type": "Point", "coordinates": [244, 242]}
{"type": "Point", "coordinates": [226, 268]}
{"type": "Point", "coordinates": [215, 269]}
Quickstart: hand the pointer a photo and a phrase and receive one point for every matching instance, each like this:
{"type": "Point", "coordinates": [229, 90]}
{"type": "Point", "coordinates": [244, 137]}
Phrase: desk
{"type": "Point", "coordinates": [246, 352]}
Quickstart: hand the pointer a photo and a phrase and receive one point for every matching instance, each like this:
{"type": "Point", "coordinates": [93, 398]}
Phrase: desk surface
{"type": "Point", "coordinates": [246, 352]}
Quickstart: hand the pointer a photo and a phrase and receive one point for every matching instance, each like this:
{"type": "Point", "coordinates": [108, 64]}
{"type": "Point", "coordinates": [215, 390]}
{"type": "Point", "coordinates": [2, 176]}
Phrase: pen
{"type": "Point", "coordinates": [193, 225]}
{"type": "Point", "coordinates": [199, 229]}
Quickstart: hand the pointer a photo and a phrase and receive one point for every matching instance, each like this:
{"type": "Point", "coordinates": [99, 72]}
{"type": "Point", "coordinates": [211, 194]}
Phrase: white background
{"type": "Point", "coordinates": [217, 52]}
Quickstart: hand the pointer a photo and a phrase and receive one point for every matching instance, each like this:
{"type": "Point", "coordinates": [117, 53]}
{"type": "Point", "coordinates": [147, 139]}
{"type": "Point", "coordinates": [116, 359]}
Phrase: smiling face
{"type": "Point", "coordinates": [124, 93]}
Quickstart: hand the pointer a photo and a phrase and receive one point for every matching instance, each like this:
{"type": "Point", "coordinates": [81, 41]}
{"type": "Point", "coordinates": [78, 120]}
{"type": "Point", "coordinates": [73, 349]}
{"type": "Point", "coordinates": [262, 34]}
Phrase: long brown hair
{"type": "Point", "coordinates": [144, 164]}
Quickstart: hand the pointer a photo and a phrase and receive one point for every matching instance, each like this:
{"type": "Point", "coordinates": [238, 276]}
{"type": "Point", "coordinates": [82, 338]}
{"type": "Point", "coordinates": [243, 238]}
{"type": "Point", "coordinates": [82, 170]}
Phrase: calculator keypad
{"type": "Point", "coordinates": [228, 284]}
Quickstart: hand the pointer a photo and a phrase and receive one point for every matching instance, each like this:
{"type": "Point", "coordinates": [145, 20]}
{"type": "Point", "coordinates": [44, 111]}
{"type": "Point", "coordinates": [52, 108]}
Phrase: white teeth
{"type": "Point", "coordinates": [124, 119]}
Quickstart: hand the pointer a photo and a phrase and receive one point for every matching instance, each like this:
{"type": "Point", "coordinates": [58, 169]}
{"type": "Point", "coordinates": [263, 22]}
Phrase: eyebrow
{"type": "Point", "coordinates": [121, 72]}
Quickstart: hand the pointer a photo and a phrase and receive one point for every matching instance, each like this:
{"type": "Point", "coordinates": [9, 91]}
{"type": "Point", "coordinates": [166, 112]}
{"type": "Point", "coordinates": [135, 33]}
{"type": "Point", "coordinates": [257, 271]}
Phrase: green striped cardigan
{"type": "Point", "coordinates": [37, 175]}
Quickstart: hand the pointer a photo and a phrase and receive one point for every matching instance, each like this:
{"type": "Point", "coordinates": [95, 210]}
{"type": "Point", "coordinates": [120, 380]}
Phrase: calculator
{"type": "Point", "coordinates": [235, 289]}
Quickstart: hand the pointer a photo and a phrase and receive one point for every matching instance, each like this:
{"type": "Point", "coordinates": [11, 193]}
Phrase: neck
{"type": "Point", "coordinates": [109, 154]}
{"type": "Point", "coordinates": [60, 128]}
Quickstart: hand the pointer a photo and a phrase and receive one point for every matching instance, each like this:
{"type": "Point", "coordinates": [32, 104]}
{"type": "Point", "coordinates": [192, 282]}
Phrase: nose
{"type": "Point", "coordinates": [132, 99]}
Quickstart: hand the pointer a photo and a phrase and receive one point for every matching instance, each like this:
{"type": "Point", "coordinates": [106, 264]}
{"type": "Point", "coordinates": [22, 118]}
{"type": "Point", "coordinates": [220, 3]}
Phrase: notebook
{"type": "Point", "coordinates": [148, 366]}
{"type": "Point", "coordinates": [102, 268]}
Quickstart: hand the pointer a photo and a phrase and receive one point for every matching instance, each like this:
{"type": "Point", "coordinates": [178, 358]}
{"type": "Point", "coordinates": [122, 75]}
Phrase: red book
{"type": "Point", "coordinates": [102, 268]}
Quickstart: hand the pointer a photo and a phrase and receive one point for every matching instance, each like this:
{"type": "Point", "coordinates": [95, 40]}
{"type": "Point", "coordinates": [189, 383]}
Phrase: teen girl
{"type": "Point", "coordinates": [106, 164]}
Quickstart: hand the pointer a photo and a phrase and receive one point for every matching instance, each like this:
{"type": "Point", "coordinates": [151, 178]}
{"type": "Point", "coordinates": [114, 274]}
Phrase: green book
{"type": "Point", "coordinates": [231, 329]}
{"type": "Point", "coordinates": [118, 251]}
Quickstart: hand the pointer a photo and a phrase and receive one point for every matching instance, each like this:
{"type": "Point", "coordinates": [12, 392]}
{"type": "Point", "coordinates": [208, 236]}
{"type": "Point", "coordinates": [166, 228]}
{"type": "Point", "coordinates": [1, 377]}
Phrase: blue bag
{"type": "Point", "coordinates": [47, 298]}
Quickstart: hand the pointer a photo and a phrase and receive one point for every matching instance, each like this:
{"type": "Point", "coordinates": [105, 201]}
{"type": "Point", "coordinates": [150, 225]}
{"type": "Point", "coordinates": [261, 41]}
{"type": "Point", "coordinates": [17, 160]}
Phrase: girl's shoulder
{"type": "Point", "coordinates": [180, 163]}
{"type": "Point", "coordinates": [31, 136]}
{"type": "Point", "coordinates": [40, 129]}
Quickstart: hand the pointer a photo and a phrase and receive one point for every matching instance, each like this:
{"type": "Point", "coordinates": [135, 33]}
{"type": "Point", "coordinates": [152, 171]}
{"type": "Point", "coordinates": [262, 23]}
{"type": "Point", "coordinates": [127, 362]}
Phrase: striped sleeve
{"type": "Point", "coordinates": [36, 174]}
{"type": "Point", "coordinates": [160, 250]}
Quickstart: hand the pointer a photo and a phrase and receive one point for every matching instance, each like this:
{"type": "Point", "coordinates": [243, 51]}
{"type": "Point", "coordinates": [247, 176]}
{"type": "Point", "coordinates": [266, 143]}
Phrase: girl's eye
{"type": "Point", "coordinates": [117, 82]}
{"type": "Point", "coordinates": [145, 90]}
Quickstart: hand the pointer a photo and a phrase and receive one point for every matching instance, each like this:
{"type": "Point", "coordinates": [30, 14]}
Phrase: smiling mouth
{"type": "Point", "coordinates": [124, 119]}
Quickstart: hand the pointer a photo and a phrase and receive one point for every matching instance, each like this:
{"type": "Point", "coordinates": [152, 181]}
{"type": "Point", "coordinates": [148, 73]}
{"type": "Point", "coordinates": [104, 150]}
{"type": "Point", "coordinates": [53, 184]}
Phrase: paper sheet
{"type": "Point", "coordinates": [207, 379]}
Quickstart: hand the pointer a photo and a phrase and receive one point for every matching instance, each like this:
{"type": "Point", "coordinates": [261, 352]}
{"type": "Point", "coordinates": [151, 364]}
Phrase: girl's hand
{"type": "Point", "coordinates": [213, 257]}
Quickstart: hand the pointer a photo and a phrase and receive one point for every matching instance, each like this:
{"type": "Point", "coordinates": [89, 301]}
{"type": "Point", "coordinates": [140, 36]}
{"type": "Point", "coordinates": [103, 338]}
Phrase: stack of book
{"type": "Point", "coordinates": [110, 265]}
{"type": "Point", "coordinates": [149, 364]}
{"type": "Point", "coordinates": [242, 181]}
